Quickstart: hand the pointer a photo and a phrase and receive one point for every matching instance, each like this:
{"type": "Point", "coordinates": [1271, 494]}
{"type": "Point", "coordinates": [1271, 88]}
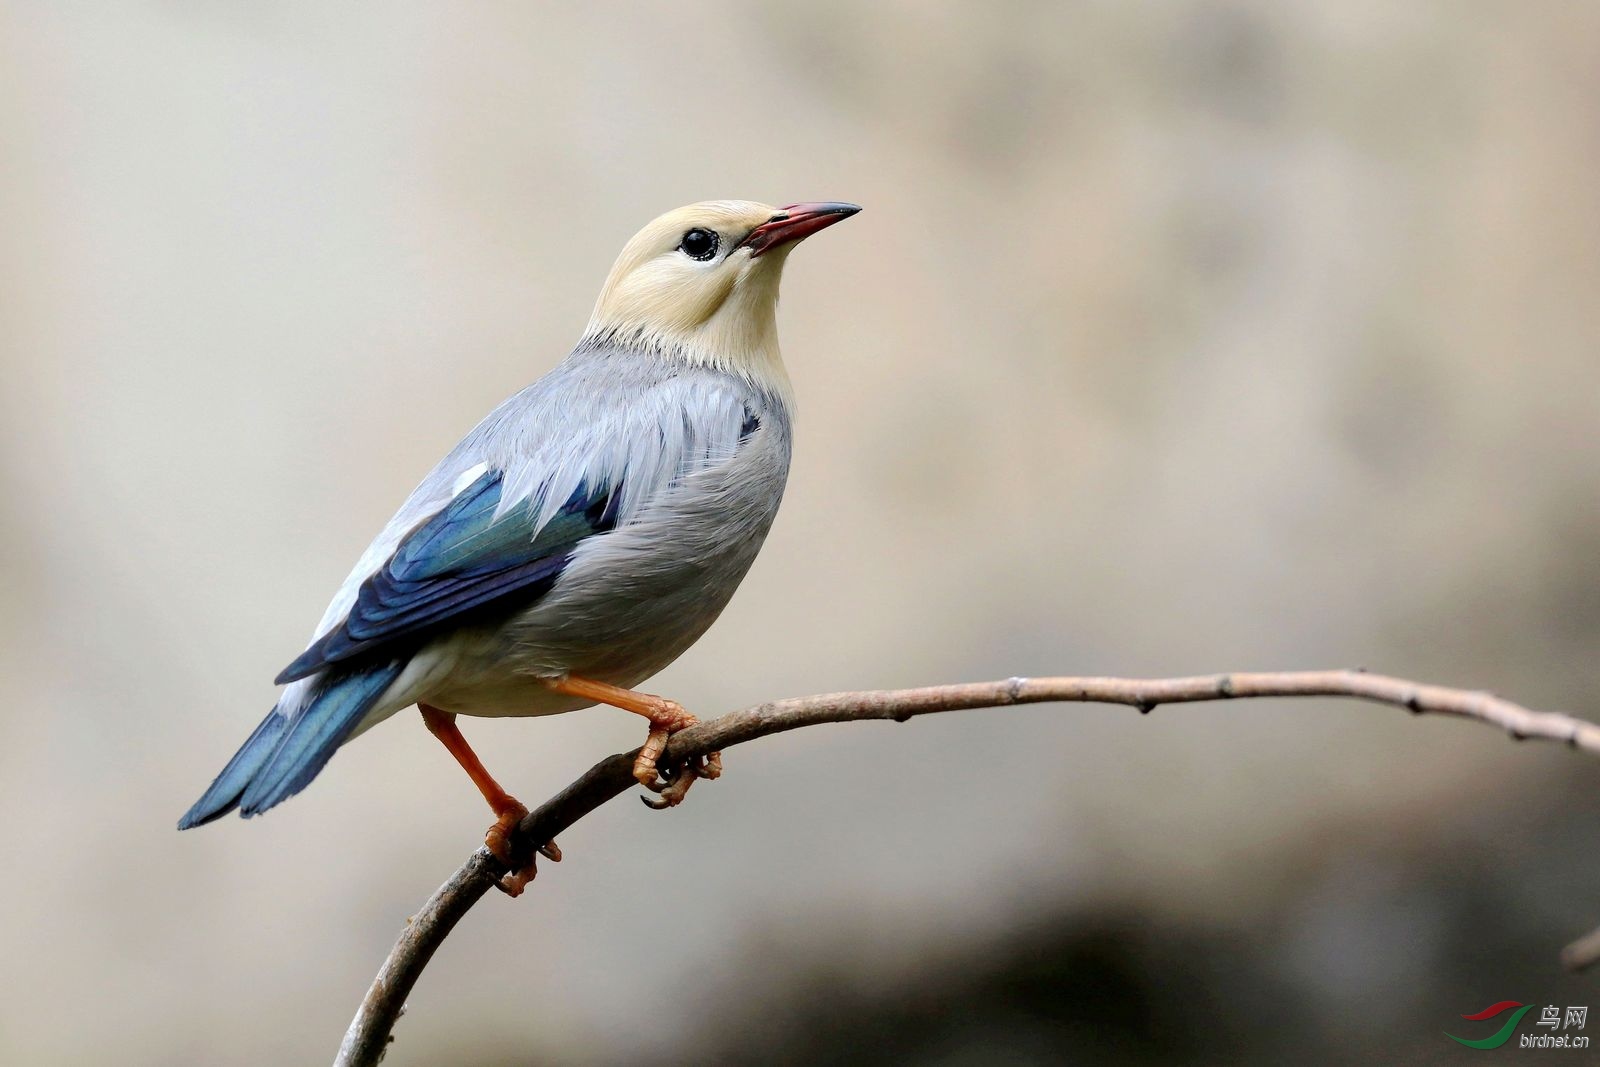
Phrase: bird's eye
{"type": "Point", "coordinates": [699, 244]}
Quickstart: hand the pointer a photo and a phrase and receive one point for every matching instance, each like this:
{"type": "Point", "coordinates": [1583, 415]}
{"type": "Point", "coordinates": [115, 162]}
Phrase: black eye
{"type": "Point", "coordinates": [699, 244]}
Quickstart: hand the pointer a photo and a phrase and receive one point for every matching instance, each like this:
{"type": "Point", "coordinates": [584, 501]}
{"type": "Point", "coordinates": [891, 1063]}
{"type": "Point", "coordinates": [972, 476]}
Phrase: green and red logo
{"type": "Point", "coordinates": [1500, 1036]}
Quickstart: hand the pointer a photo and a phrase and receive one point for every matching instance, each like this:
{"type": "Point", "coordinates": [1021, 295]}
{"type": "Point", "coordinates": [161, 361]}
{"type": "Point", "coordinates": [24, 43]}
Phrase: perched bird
{"type": "Point", "coordinates": [580, 538]}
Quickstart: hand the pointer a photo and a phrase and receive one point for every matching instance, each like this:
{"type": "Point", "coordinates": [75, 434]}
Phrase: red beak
{"type": "Point", "coordinates": [794, 223]}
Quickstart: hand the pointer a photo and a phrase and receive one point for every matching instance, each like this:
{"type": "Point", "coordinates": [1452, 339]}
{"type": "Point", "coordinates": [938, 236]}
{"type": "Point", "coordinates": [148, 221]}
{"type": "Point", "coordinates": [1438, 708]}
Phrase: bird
{"type": "Point", "coordinates": [577, 541]}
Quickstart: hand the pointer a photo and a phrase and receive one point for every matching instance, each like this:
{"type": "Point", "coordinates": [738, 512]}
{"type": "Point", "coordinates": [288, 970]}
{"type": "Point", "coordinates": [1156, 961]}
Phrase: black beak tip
{"type": "Point", "coordinates": [795, 223]}
{"type": "Point", "coordinates": [829, 209]}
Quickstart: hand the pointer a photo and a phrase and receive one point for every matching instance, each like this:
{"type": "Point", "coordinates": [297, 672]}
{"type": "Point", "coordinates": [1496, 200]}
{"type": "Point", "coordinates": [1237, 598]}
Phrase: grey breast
{"type": "Point", "coordinates": [633, 599]}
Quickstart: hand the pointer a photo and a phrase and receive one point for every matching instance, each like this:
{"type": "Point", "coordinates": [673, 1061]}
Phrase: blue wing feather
{"type": "Point", "coordinates": [461, 559]}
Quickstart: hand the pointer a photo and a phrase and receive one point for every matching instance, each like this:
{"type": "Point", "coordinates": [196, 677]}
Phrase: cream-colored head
{"type": "Point", "coordinates": [701, 283]}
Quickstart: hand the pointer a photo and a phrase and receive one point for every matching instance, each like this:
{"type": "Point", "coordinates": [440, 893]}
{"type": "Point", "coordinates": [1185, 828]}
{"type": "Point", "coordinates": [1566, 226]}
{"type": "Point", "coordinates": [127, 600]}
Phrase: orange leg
{"type": "Point", "coordinates": [666, 717]}
{"type": "Point", "coordinates": [508, 811]}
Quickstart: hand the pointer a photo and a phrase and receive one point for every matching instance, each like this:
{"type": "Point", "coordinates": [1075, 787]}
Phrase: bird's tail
{"type": "Point", "coordinates": [292, 745]}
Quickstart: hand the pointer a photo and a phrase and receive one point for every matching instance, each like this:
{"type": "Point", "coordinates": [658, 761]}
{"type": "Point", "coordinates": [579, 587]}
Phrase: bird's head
{"type": "Point", "coordinates": [701, 282]}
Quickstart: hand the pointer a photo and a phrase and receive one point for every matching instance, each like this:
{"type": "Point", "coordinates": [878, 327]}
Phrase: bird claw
{"type": "Point", "coordinates": [675, 786]}
{"type": "Point", "coordinates": [497, 839]}
{"type": "Point", "coordinates": [670, 784]}
{"type": "Point", "coordinates": [649, 777]}
{"type": "Point", "coordinates": [514, 883]}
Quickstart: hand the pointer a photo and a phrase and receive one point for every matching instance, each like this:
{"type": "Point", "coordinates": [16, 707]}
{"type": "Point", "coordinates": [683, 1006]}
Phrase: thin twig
{"type": "Point", "coordinates": [369, 1032]}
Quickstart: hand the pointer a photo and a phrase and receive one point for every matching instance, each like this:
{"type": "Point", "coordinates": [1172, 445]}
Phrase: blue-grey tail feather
{"type": "Point", "coordinates": [286, 753]}
{"type": "Point", "coordinates": [224, 794]}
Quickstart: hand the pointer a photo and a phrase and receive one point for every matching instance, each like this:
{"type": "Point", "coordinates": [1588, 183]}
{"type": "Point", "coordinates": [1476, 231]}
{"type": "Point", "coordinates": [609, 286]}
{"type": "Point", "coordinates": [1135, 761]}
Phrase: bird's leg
{"type": "Point", "coordinates": [666, 717]}
{"type": "Point", "coordinates": [507, 809]}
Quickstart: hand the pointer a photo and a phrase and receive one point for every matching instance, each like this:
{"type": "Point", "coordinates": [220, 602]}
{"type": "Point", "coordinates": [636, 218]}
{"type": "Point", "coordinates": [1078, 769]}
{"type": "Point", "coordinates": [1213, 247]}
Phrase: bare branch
{"type": "Point", "coordinates": [369, 1032]}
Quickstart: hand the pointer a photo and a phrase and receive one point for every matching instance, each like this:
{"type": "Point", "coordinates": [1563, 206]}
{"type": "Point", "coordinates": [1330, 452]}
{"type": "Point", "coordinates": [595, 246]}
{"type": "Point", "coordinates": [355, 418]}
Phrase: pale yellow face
{"type": "Point", "coordinates": [686, 283]}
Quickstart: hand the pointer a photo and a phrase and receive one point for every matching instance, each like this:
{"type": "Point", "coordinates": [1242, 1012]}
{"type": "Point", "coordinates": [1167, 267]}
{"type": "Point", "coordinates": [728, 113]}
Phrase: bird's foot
{"type": "Point", "coordinates": [676, 781]}
{"type": "Point", "coordinates": [666, 717]}
{"type": "Point", "coordinates": [497, 839]}
{"type": "Point", "coordinates": [671, 784]}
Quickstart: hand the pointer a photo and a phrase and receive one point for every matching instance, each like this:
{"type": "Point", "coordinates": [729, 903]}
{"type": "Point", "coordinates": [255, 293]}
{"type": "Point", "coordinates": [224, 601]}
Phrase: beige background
{"type": "Point", "coordinates": [1173, 338]}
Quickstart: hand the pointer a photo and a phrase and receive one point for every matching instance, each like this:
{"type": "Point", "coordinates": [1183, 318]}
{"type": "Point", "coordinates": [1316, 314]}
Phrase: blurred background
{"type": "Point", "coordinates": [1185, 338]}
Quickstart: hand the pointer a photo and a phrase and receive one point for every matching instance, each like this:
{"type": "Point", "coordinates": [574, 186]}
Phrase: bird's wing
{"type": "Point", "coordinates": [577, 453]}
{"type": "Point", "coordinates": [468, 555]}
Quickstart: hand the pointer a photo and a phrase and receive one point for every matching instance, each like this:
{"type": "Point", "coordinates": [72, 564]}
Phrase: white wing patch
{"type": "Point", "coordinates": [466, 478]}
